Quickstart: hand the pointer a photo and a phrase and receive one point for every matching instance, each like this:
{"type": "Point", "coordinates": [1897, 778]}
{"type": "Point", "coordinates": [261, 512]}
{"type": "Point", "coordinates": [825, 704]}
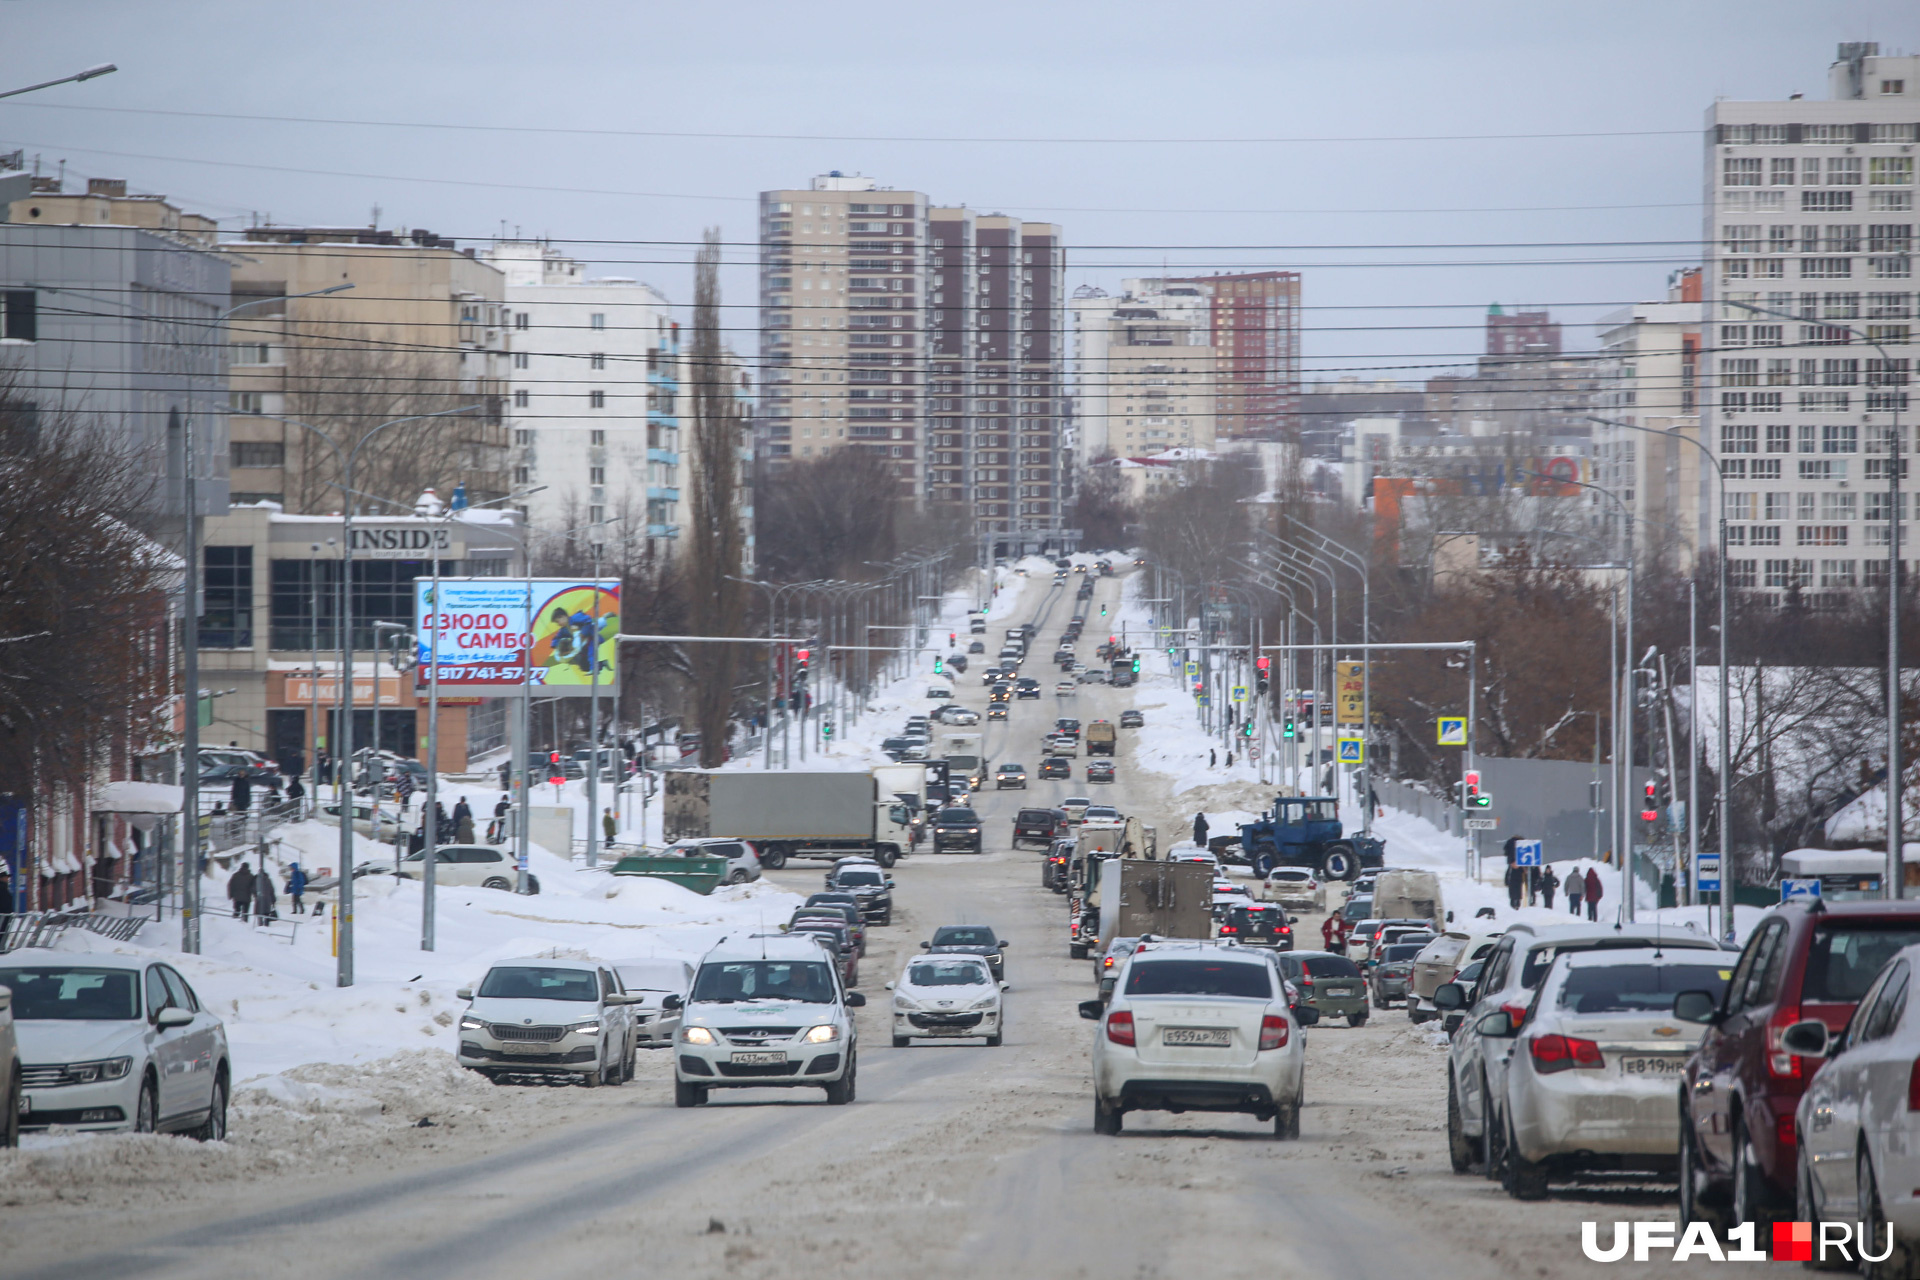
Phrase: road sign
{"type": "Point", "coordinates": [1349, 692]}
{"type": "Point", "coordinates": [1453, 731]}
{"type": "Point", "coordinates": [1353, 751]}
{"type": "Point", "coordinates": [1791, 889]}
{"type": "Point", "coordinates": [1483, 824]}
{"type": "Point", "coordinates": [1239, 693]}
{"type": "Point", "coordinates": [1526, 853]}
{"type": "Point", "coordinates": [1193, 668]}
{"type": "Point", "coordinates": [1706, 873]}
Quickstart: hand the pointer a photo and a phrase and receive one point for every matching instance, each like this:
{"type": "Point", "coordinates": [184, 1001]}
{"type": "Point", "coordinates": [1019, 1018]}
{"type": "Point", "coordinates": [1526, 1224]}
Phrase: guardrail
{"type": "Point", "coordinates": [41, 928]}
{"type": "Point", "coordinates": [1408, 799]}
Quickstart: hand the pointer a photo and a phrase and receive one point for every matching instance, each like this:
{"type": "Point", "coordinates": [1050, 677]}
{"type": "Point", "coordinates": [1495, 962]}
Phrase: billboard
{"type": "Point", "coordinates": [1349, 692]}
{"type": "Point", "coordinates": [491, 643]}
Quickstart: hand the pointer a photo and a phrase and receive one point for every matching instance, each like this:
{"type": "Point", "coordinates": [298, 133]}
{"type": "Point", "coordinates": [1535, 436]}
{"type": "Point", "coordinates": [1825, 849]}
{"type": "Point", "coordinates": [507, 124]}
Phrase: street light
{"type": "Point", "coordinates": [103, 69]}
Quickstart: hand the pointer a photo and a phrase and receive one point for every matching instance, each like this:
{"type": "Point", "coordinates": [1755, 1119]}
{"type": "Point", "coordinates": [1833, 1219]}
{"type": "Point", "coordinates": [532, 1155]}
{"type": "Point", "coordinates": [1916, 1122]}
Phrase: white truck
{"type": "Point", "coordinates": [789, 814]}
{"type": "Point", "coordinates": [964, 761]}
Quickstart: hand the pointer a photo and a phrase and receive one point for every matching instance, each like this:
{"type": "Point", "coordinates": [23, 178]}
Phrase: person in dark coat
{"type": "Point", "coordinates": [463, 821]}
{"type": "Point", "coordinates": [1516, 885]}
{"type": "Point", "coordinates": [1200, 829]}
{"type": "Point", "coordinates": [295, 791]}
{"type": "Point", "coordinates": [1593, 893]}
{"type": "Point", "coordinates": [297, 888]}
{"type": "Point", "coordinates": [497, 829]}
{"type": "Point", "coordinates": [1533, 886]}
{"type": "Point", "coordinates": [263, 897]}
{"type": "Point", "coordinates": [242, 793]}
{"type": "Point", "coordinates": [1548, 883]}
{"type": "Point", "coordinates": [240, 890]}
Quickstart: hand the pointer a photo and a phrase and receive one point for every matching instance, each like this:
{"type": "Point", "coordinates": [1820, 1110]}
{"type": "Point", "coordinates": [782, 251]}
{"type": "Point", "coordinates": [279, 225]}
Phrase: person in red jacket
{"type": "Point", "coordinates": [1593, 894]}
{"type": "Point", "coordinates": [1333, 933]}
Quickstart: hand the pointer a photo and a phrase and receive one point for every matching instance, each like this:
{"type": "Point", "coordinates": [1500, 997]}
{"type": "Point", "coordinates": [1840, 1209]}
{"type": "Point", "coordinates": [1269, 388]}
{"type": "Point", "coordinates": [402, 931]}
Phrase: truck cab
{"type": "Point", "coordinates": [1305, 831]}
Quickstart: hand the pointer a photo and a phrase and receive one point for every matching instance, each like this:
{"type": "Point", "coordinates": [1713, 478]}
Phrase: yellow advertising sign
{"type": "Point", "coordinates": [1349, 689]}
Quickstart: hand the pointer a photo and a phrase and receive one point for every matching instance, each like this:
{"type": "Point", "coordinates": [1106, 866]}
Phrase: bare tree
{"type": "Point", "coordinates": [826, 517]}
{"type": "Point", "coordinates": [716, 599]}
{"type": "Point", "coordinates": [1102, 508]}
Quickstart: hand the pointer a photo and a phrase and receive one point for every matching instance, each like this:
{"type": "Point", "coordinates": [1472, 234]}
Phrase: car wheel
{"type": "Point", "coordinates": [1378, 1003]}
{"type": "Point", "coordinates": [773, 857]}
{"type": "Point", "coordinates": [10, 1123]}
{"type": "Point", "coordinates": [1358, 1018]}
{"type": "Point", "coordinates": [1340, 863]}
{"type": "Point", "coordinates": [1106, 1120]}
{"type": "Point", "coordinates": [1496, 1136]}
{"type": "Point", "coordinates": [1749, 1198]}
{"type": "Point", "coordinates": [1461, 1151]}
{"type": "Point", "coordinates": [497, 882]}
{"type": "Point", "coordinates": [594, 1078]}
{"type": "Point", "coordinates": [1873, 1222]}
{"type": "Point", "coordinates": [1807, 1209]}
{"type": "Point", "coordinates": [146, 1108]}
{"type": "Point", "coordinates": [1690, 1172]}
{"type": "Point", "coordinates": [840, 1092]}
{"type": "Point", "coordinates": [215, 1127]}
{"type": "Point", "coordinates": [1264, 859]}
{"type": "Point", "coordinates": [993, 1041]}
{"type": "Point", "coordinates": [887, 856]}
{"type": "Point", "coordinates": [885, 921]}
{"type": "Point", "coordinates": [1523, 1179]}
{"type": "Point", "coordinates": [738, 877]}
{"type": "Point", "coordinates": [901, 1042]}
{"type": "Point", "coordinates": [688, 1095]}
{"type": "Point", "coordinates": [1286, 1121]}
{"type": "Point", "coordinates": [633, 1062]}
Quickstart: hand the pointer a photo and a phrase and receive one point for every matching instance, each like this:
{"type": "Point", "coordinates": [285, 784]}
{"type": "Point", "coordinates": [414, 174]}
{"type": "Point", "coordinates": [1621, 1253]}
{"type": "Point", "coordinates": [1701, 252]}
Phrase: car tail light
{"type": "Point", "coordinates": [1517, 1012]}
{"type": "Point", "coordinates": [1556, 1052]}
{"type": "Point", "coordinates": [1782, 1065]}
{"type": "Point", "coordinates": [1120, 1028]}
{"type": "Point", "coordinates": [1285, 928]}
{"type": "Point", "coordinates": [1783, 1129]}
{"type": "Point", "coordinates": [1273, 1032]}
{"type": "Point", "coordinates": [1228, 928]}
{"type": "Point", "coordinates": [1107, 963]}
{"type": "Point", "coordinates": [1913, 1086]}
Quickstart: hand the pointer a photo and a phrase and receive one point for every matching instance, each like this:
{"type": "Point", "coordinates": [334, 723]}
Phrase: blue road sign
{"type": "Point", "coordinates": [1526, 853]}
{"type": "Point", "coordinates": [1706, 873]}
{"type": "Point", "coordinates": [1807, 888]}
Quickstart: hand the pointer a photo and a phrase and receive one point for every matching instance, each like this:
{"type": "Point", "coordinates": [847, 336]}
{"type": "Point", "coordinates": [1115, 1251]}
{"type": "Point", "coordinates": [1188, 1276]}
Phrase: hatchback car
{"type": "Point", "coordinates": [946, 997]}
{"type": "Point", "coordinates": [653, 981]}
{"type": "Point", "coordinates": [466, 865]}
{"type": "Point", "coordinates": [1099, 771]}
{"type": "Point", "coordinates": [743, 860]}
{"type": "Point", "coordinates": [1294, 887]}
{"type": "Point", "coordinates": [1131, 719]}
{"type": "Point", "coordinates": [116, 1042]}
{"type": "Point", "coordinates": [1258, 924]}
{"type": "Point", "coordinates": [867, 883]}
{"type": "Point", "coordinates": [1197, 1027]}
{"type": "Point", "coordinates": [1056, 767]}
{"type": "Point", "coordinates": [978, 646]}
{"type": "Point", "coordinates": [1331, 984]}
{"type": "Point", "coordinates": [548, 1018]}
{"type": "Point", "coordinates": [1009, 776]}
{"type": "Point", "coordinates": [767, 1012]}
{"type": "Point", "coordinates": [1392, 976]}
{"type": "Point", "coordinates": [1065, 688]}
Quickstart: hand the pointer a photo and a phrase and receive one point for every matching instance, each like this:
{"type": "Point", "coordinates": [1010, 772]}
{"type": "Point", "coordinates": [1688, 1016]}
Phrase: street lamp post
{"type": "Point", "coordinates": [1354, 560]}
{"type": "Point", "coordinates": [103, 69]}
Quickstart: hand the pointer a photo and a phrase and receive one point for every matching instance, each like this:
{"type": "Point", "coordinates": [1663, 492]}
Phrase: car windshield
{"type": "Point", "coordinates": [1331, 967]}
{"type": "Point", "coordinates": [933, 973]}
{"type": "Point", "coordinates": [957, 817]}
{"type": "Point", "coordinates": [963, 936]}
{"type": "Point", "coordinates": [1199, 978]}
{"type": "Point", "coordinates": [860, 877]}
{"type": "Point", "coordinates": [526, 982]}
{"type": "Point", "coordinates": [653, 977]}
{"type": "Point", "coordinates": [1402, 951]}
{"type": "Point", "coordinates": [1841, 962]}
{"type": "Point", "coordinates": [57, 993]}
{"type": "Point", "coordinates": [808, 981]}
{"type": "Point", "coordinates": [1638, 988]}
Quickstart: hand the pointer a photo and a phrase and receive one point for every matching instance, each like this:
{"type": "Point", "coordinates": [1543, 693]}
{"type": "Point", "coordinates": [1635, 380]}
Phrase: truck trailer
{"type": "Point", "coordinates": [790, 815]}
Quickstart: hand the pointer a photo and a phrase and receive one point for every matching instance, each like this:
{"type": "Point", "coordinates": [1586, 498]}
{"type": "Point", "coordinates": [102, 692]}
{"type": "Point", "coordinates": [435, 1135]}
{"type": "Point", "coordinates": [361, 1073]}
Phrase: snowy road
{"type": "Point", "coordinates": [955, 1161]}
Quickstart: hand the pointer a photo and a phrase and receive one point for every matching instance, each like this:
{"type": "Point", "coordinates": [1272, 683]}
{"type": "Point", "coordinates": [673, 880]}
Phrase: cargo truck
{"type": "Point", "coordinates": [1096, 843]}
{"type": "Point", "coordinates": [1166, 899]}
{"type": "Point", "coordinates": [790, 815]}
{"type": "Point", "coordinates": [1100, 738]}
{"type": "Point", "coordinates": [961, 751]}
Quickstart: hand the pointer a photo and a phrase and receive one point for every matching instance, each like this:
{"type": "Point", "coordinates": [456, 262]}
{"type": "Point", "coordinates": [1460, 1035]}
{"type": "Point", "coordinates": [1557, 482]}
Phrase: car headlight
{"type": "Point", "coordinates": [100, 1069]}
{"type": "Point", "coordinates": [902, 1002]}
{"type": "Point", "coordinates": [585, 1028]}
{"type": "Point", "coordinates": [987, 1003]}
{"type": "Point", "coordinates": [468, 1022]}
{"type": "Point", "coordinates": [823, 1034]}
{"type": "Point", "coordinates": [696, 1035]}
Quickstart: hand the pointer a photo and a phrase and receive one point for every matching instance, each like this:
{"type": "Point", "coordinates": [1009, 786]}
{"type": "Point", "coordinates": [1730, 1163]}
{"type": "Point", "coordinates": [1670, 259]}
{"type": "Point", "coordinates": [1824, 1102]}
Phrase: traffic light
{"type": "Point", "coordinates": [1474, 798]}
{"type": "Point", "coordinates": [1246, 729]}
{"type": "Point", "coordinates": [1261, 667]}
{"type": "Point", "coordinates": [953, 637]}
{"type": "Point", "coordinates": [1103, 611]}
{"type": "Point", "coordinates": [1136, 664]}
{"type": "Point", "coordinates": [1286, 728]}
{"type": "Point", "coordinates": [554, 773]}
{"type": "Point", "coordinates": [1649, 813]}
{"type": "Point", "coordinates": [800, 656]}
{"type": "Point", "coordinates": [939, 664]}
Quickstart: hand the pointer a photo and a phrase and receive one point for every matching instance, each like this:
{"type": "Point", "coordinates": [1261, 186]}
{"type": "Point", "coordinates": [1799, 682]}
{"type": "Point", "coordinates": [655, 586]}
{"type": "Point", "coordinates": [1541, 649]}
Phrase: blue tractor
{"type": "Point", "coordinates": [1304, 831]}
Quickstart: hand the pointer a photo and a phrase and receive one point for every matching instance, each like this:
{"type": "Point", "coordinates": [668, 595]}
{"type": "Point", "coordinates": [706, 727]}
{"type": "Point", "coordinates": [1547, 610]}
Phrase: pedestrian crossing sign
{"type": "Point", "coordinates": [1453, 731]}
{"type": "Point", "coordinates": [1193, 669]}
{"type": "Point", "coordinates": [1353, 751]}
{"type": "Point", "coordinates": [1239, 693]}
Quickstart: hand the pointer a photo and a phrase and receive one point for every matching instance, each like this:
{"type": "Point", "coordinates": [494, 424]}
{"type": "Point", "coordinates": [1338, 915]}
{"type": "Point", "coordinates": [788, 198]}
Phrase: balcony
{"type": "Point", "coordinates": [667, 456]}
{"type": "Point", "coordinates": [661, 493]}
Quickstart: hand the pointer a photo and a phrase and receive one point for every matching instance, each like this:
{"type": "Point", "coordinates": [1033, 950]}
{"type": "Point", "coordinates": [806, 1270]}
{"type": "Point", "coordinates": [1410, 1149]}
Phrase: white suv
{"type": "Point", "coordinates": [548, 1017]}
{"type": "Point", "coordinates": [766, 1012]}
{"type": "Point", "coordinates": [1198, 1027]}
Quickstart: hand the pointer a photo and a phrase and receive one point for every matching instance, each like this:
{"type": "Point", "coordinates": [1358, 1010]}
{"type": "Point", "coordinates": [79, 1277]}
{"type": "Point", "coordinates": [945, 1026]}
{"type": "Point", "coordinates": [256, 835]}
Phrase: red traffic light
{"type": "Point", "coordinates": [1262, 664]}
{"type": "Point", "coordinates": [1650, 791]}
{"type": "Point", "coordinates": [1649, 815]}
{"type": "Point", "coordinates": [800, 656]}
{"type": "Point", "coordinates": [1472, 778]}
{"type": "Point", "coordinates": [553, 757]}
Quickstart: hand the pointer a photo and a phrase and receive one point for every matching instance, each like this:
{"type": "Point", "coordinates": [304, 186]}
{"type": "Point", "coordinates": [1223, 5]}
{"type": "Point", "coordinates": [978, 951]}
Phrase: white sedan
{"type": "Point", "coordinates": [1198, 1027]}
{"type": "Point", "coordinates": [117, 1042]}
{"type": "Point", "coordinates": [1594, 1073]}
{"type": "Point", "coordinates": [946, 997]}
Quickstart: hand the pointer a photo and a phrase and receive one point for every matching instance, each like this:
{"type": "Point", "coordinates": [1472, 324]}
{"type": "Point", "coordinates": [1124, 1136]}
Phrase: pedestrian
{"type": "Point", "coordinates": [403, 790]}
{"type": "Point", "coordinates": [1333, 933]}
{"type": "Point", "coordinates": [607, 825]}
{"type": "Point", "coordinates": [496, 830]}
{"type": "Point", "coordinates": [1548, 883]}
{"type": "Point", "coordinates": [295, 792]}
{"type": "Point", "coordinates": [1576, 889]}
{"type": "Point", "coordinates": [1200, 829]}
{"type": "Point", "coordinates": [102, 880]}
{"type": "Point", "coordinates": [463, 822]}
{"type": "Point", "coordinates": [506, 775]}
{"type": "Point", "coordinates": [1533, 886]}
{"type": "Point", "coordinates": [1516, 885]}
{"type": "Point", "coordinates": [323, 765]}
{"type": "Point", "coordinates": [240, 889]}
{"type": "Point", "coordinates": [297, 888]}
{"type": "Point", "coordinates": [242, 793]}
{"type": "Point", "coordinates": [1213, 758]}
{"type": "Point", "coordinates": [263, 896]}
{"type": "Point", "coordinates": [1229, 759]}
{"type": "Point", "coordinates": [1593, 893]}
{"type": "Point", "coordinates": [1373, 802]}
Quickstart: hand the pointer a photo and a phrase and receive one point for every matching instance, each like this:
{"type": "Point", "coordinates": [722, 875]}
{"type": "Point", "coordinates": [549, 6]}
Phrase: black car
{"type": "Point", "coordinates": [1043, 825]}
{"type": "Point", "coordinates": [1056, 767]}
{"type": "Point", "coordinates": [957, 828]}
{"type": "Point", "coordinates": [1054, 871]}
{"type": "Point", "coordinates": [1259, 924]}
{"type": "Point", "coordinates": [1026, 687]}
{"type": "Point", "coordinates": [957, 662]}
{"type": "Point", "coordinates": [971, 939]}
{"type": "Point", "coordinates": [844, 913]}
{"type": "Point", "coordinates": [1099, 771]}
{"type": "Point", "coordinates": [978, 646]}
{"type": "Point", "coordinates": [1132, 720]}
{"type": "Point", "coordinates": [870, 886]}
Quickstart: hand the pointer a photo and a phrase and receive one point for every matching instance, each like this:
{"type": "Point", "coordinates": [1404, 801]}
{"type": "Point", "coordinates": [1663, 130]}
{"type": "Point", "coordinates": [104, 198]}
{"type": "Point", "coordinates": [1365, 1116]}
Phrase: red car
{"type": "Point", "coordinates": [1738, 1145]}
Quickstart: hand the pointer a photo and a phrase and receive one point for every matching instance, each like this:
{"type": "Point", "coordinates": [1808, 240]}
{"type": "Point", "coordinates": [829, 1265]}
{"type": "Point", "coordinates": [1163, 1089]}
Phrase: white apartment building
{"type": "Point", "coordinates": [1810, 215]}
{"type": "Point", "coordinates": [593, 396]}
{"type": "Point", "coordinates": [1648, 377]}
{"type": "Point", "coordinates": [1133, 396]}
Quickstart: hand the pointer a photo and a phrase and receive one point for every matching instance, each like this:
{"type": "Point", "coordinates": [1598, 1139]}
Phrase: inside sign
{"type": "Point", "coordinates": [1483, 824]}
{"type": "Point", "coordinates": [1353, 751]}
{"type": "Point", "coordinates": [1452, 731]}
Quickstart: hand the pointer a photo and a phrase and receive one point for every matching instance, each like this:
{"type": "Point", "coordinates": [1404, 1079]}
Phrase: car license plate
{"type": "Point", "coordinates": [1339, 991]}
{"type": "Point", "coordinates": [1653, 1066]}
{"type": "Point", "coordinates": [529, 1048]}
{"type": "Point", "coordinates": [1203, 1037]}
{"type": "Point", "coordinates": [768, 1058]}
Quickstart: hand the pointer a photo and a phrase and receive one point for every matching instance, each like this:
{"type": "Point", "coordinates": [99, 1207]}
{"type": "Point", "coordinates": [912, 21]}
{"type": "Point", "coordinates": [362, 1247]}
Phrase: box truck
{"type": "Point", "coordinates": [790, 814]}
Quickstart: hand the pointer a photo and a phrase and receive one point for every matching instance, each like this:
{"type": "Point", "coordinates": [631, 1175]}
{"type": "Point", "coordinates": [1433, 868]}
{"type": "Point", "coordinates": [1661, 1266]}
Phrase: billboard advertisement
{"type": "Point", "coordinates": [491, 643]}
{"type": "Point", "coordinates": [1349, 692]}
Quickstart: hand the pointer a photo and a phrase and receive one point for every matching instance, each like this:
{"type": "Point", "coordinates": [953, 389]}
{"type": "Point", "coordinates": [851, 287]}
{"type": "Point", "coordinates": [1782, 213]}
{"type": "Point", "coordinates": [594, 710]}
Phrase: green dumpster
{"type": "Point", "coordinates": [697, 874]}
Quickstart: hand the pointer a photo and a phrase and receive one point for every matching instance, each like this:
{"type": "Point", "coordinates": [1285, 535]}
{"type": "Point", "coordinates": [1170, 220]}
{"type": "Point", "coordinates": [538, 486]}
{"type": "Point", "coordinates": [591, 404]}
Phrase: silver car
{"type": "Point", "coordinates": [548, 1017]}
{"type": "Point", "coordinates": [653, 981]}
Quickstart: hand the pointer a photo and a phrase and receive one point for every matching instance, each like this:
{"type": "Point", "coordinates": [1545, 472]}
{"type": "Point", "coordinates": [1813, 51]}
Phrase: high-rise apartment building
{"type": "Point", "coordinates": [1254, 325]}
{"type": "Point", "coordinates": [1147, 378]}
{"type": "Point", "coordinates": [594, 406]}
{"type": "Point", "coordinates": [1648, 377]}
{"type": "Point", "coordinates": [1521, 333]}
{"type": "Point", "coordinates": [1810, 220]}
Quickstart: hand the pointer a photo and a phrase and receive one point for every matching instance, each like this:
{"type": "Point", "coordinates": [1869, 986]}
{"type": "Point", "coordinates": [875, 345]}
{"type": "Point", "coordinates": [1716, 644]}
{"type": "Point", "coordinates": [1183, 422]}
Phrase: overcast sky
{"type": "Point", "coordinates": [1063, 108]}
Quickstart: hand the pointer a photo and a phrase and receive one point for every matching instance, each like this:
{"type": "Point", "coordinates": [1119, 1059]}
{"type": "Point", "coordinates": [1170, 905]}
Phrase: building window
{"type": "Point", "coordinates": [1822, 535]}
{"type": "Point", "coordinates": [1826, 268]}
{"type": "Point", "coordinates": [226, 605]}
{"type": "Point", "coordinates": [247, 402]}
{"type": "Point", "coordinates": [598, 360]}
{"type": "Point", "coordinates": [19, 315]}
{"type": "Point", "coordinates": [596, 475]}
{"type": "Point", "coordinates": [1740, 506]}
{"type": "Point", "coordinates": [1891, 171]}
{"type": "Point", "coordinates": [522, 398]}
{"type": "Point", "coordinates": [1779, 440]}
{"type": "Point", "coordinates": [1779, 506]}
{"type": "Point", "coordinates": [596, 399]}
{"type": "Point", "coordinates": [258, 453]}
{"type": "Point", "coordinates": [521, 320]}
{"type": "Point", "coordinates": [521, 475]}
{"type": "Point", "coordinates": [1741, 574]}
{"type": "Point", "coordinates": [597, 320]}
{"type": "Point", "coordinates": [248, 352]}
{"type": "Point", "coordinates": [597, 436]}
{"type": "Point", "coordinates": [523, 435]}
{"type": "Point", "coordinates": [520, 360]}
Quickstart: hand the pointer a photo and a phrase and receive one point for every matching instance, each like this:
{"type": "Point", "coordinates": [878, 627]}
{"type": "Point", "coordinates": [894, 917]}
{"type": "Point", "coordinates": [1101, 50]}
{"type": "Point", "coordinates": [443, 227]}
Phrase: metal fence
{"type": "Point", "coordinates": [41, 928]}
{"type": "Point", "coordinates": [1410, 799]}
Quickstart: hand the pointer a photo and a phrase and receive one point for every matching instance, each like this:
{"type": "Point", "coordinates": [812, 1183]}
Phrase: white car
{"type": "Point", "coordinates": [15, 1093]}
{"type": "Point", "coordinates": [548, 1017]}
{"type": "Point", "coordinates": [1061, 744]}
{"type": "Point", "coordinates": [767, 1012]}
{"type": "Point", "coordinates": [1294, 887]}
{"type": "Point", "coordinates": [1594, 1074]}
{"type": "Point", "coordinates": [1859, 1133]}
{"type": "Point", "coordinates": [479, 866]}
{"type": "Point", "coordinates": [946, 996]}
{"type": "Point", "coordinates": [116, 1042]}
{"type": "Point", "coordinates": [1194, 853]}
{"type": "Point", "coordinates": [1075, 807]}
{"type": "Point", "coordinates": [960, 715]}
{"type": "Point", "coordinates": [653, 981]}
{"type": "Point", "coordinates": [939, 691]}
{"type": "Point", "coordinates": [390, 824]}
{"type": "Point", "coordinates": [1197, 1027]}
{"type": "Point", "coordinates": [743, 860]}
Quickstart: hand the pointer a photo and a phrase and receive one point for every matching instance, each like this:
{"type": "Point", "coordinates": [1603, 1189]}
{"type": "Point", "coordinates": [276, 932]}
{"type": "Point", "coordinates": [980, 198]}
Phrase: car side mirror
{"type": "Point", "coordinates": [464, 993]}
{"type": "Point", "coordinates": [1006, 986]}
{"type": "Point", "coordinates": [1809, 1039]}
{"type": "Point", "coordinates": [889, 986]}
{"type": "Point", "coordinates": [1004, 944]}
{"type": "Point", "coordinates": [926, 946]}
{"type": "Point", "coordinates": [172, 1016]}
{"type": "Point", "coordinates": [1695, 1006]}
{"type": "Point", "coordinates": [672, 1002]}
{"type": "Point", "coordinates": [1449, 995]}
{"type": "Point", "coordinates": [855, 1000]}
{"type": "Point", "coordinates": [1497, 1025]}
{"type": "Point", "coordinates": [1293, 919]}
{"type": "Point", "coordinates": [1091, 1010]}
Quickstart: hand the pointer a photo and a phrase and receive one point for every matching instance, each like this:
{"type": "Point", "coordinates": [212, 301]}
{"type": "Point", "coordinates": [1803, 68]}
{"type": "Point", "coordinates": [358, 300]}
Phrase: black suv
{"type": "Point", "coordinates": [957, 828]}
{"type": "Point", "coordinates": [1026, 687]}
{"type": "Point", "coordinates": [1044, 825]}
{"type": "Point", "coordinates": [971, 939]}
{"type": "Point", "coordinates": [870, 885]}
